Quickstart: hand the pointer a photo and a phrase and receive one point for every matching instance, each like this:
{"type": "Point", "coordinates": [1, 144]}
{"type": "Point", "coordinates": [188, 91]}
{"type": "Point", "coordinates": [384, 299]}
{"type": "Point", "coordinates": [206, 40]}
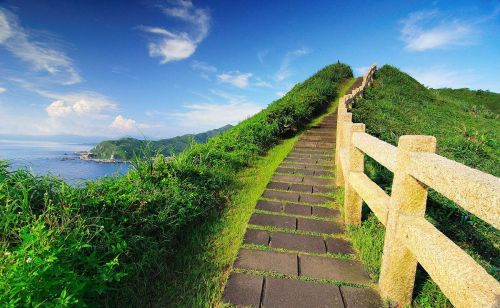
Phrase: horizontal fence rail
{"type": "Point", "coordinates": [409, 237]}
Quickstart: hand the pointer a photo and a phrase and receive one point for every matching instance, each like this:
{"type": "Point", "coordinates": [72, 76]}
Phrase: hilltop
{"type": "Point", "coordinates": [127, 148]}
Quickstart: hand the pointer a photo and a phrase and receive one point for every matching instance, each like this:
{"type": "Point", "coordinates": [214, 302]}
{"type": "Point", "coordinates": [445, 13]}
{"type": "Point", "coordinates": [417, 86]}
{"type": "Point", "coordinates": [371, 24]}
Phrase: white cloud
{"type": "Point", "coordinates": [261, 54]}
{"type": "Point", "coordinates": [235, 78]}
{"type": "Point", "coordinates": [361, 70]}
{"type": "Point", "coordinates": [82, 104]}
{"type": "Point", "coordinates": [204, 116]}
{"type": "Point", "coordinates": [203, 66]}
{"type": "Point", "coordinates": [424, 30]}
{"type": "Point", "coordinates": [122, 124]}
{"type": "Point", "coordinates": [42, 57]}
{"type": "Point", "coordinates": [285, 71]}
{"type": "Point", "coordinates": [2, 90]}
{"type": "Point", "coordinates": [174, 46]}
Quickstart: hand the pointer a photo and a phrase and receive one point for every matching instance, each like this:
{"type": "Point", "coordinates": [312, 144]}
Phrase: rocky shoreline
{"type": "Point", "coordinates": [89, 156]}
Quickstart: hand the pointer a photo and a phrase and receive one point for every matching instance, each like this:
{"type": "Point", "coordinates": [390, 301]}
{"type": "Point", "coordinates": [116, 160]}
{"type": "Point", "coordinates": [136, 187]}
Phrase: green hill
{"type": "Point", "coordinates": [467, 129]}
{"type": "Point", "coordinates": [127, 148]}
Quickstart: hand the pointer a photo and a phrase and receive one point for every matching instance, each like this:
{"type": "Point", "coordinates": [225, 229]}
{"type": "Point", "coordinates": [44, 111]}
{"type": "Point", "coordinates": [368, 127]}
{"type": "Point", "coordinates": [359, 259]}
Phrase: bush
{"type": "Point", "coordinates": [66, 245]}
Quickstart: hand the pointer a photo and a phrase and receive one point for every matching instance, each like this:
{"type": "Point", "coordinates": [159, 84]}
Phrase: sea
{"type": "Point", "coordinates": [58, 159]}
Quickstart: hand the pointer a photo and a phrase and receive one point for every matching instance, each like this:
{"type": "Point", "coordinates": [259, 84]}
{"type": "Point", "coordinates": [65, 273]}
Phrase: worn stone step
{"type": "Point", "coordinates": [311, 155]}
{"type": "Point", "coordinates": [312, 151]}
{"type": "Point", "coordinates": [306, 172]}
{"type": "Point", "coordinates": [317, 138]}
{"type": "Point", "coordinates": [296, 208]}
{"type": "Point", "coordinates": [306, 166]}
{"type": "Point", "coordinates": [318, 145]}
{"type": "Point", "coordinates": [284, 293]}
{"type": "Point", "coordinates": [298, 242]}
{"type": "Point", "coordinates": [288, 178]}
{"type": "Point", "coordinates": [314, 199]}
{"type": "Point", "coordinates": [277, 221]}
{"type": "Point", "coordinates": [308, 161]}
{"type": "Point", "coordinates": [281, 195]}
{"type": "Point", "coordinates": [320, 226]}
{"type": "Point", "coordinates": [272, 261]}
{"type": "Point", "coordinates": [360, 297]}
{"type": "Point", "coordinates": [317, 181]}
{"type": "Point", "coordinates": [258, 237]}
{"type": "Point", "coordinates": [334, 269]}
{"type": "Point", "coordinates": [243, 290]}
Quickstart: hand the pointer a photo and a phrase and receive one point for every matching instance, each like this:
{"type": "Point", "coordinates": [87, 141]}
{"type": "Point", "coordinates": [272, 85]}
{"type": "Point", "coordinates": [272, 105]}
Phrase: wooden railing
{"type": "Point", "coordinates": [409, 237]}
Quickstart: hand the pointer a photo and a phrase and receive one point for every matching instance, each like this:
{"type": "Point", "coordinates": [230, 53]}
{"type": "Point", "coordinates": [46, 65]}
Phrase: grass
{"type": "Point", "coordinates": [203, 263]}
{"type": "Point", "coordinates": [123, 239]}
{"type": "Point", "coordinates": [467, 130]}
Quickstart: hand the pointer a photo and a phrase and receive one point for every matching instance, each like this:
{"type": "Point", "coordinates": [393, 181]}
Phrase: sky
{"type": "Point", "coordinates": [166, 68]}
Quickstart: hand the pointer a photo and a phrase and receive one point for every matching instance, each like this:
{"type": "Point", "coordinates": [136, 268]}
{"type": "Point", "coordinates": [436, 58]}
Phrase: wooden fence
{"type": "Point", "coordinates": [409, 237]}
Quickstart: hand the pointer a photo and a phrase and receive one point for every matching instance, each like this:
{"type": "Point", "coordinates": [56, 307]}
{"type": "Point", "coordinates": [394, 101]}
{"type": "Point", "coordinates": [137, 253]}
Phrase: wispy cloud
{"type": "Point", "coordinates": [261, 54]}
{"type": "Point", "coordinates": [2, 90]}
{"type": "Point", "coordinates": [172, 45]}
{"type": "Point", "coordinates": [235, 78]}
{"type": "Point", "coordinates": [38, 53]}
{"type": "Point", "coordinates": [285, 71]}
{"type": "Point", "coordinates": [424, 30]}
{"type": "Point", "coordinates": [203, 67]}
{"type": "Point", "coordinates": [231, 110]}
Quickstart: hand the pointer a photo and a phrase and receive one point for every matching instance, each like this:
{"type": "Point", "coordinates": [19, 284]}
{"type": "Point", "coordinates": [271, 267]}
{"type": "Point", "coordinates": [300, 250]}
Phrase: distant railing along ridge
{"type": "Point", "coordinates": [409, 237]}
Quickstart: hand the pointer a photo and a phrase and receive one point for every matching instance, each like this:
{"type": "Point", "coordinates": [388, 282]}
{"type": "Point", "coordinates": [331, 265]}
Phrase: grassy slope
{"type": "Point", "coordinates": [197, 275]}
{"type": "Point", "coordinates": [466, 132]}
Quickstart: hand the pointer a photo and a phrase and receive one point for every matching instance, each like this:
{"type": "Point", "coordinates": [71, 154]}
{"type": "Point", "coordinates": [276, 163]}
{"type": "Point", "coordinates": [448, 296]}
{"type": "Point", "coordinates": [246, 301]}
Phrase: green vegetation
{"type": "Point", "coordinates": [467, 129]}
{"type": "Point", "coordinates": [123, 239]}
{"type": "Point", "coordinates": [128, 148]}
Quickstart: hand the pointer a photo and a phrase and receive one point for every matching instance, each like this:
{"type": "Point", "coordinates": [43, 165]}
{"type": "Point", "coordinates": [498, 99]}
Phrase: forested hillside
{"type": "Point", "coordinates": [127, 148]}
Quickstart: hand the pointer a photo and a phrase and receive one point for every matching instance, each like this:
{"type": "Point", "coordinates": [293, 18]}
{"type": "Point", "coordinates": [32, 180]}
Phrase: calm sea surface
{"type": "Point", "coordinates": [55, 158]}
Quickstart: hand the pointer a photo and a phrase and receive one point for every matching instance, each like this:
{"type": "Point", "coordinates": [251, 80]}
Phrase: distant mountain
{"type": "Point", "coordinates": [127, 148]}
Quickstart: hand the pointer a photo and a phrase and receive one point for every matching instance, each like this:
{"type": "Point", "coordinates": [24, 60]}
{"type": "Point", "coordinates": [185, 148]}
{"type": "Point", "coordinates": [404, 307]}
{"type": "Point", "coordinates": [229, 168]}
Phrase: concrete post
{"type": "Point", "coordinates": [344, 119]}
{"type": "Point", "coordinates": [352, 201]}
{"type": "Point", "coordinates": [409, 197]}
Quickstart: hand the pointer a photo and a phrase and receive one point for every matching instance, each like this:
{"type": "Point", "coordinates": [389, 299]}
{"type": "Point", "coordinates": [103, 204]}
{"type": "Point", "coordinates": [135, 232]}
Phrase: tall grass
{"type": "Point", "coordinates": [91, 245]}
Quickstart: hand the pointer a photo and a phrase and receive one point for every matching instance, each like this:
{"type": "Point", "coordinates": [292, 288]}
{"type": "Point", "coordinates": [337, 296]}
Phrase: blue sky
{"type": "Point", "coordinates": [164, 68]}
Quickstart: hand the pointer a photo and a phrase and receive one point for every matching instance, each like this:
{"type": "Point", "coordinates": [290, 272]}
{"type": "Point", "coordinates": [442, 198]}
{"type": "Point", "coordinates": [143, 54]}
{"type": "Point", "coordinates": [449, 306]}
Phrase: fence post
{"type": "Point", "coordinates": [408, 197]}
{"type": "Point", "coordinates": [352, 201]}
{"type": "Point", "coordinates": [344, 118]}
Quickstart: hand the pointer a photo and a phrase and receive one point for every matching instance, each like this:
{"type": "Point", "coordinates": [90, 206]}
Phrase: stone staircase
{"type": "Point", "coordinates": [295, 253]}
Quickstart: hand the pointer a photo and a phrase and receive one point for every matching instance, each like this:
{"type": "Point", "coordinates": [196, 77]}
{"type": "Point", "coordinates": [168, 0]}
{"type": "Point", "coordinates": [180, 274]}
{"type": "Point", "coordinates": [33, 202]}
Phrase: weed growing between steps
{"type": "Point", "coordinates": [113, 240]}
{"type": "Point", "coordinates": [466, 131]}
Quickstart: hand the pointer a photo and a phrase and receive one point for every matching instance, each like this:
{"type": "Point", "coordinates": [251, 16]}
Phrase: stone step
{"type": "Point", "coordinates": [317, 138]}
{"type": "Point", "coordinates": [312, 155]}
{"type": "Point", "coordinates": [312, 151]}
{"type": "Point", "coordinates": [292, 223]}
{"type": "Point", "coordinates": [298, 242]}
{"type": "Point", "coordinates": [303, 160]}
{"type": "Point", "coordinates": [309, 172]}
{"type": "Point", "coordinates": [292, 264]}
{"type": "Point", "coordinates": [317, 145]}
{"type": "Point", "coordinates": [295, 195]}
{"type": "Point", "coordinates": [257, 291]}
{"type": "Point", "coordinates": [305, 166]}
{"type": "Point", "coordinates": [296, 208]}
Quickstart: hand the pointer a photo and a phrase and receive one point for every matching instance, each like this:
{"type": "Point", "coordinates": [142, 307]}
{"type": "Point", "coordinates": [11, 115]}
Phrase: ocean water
{"type": "Point", "coordinates": [59, 159]}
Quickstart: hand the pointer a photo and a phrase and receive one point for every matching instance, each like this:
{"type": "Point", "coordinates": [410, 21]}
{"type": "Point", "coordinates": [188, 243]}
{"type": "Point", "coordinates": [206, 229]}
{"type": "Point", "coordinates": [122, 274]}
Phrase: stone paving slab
{"type": "Point", "coordinates": [337, 245]}
{"type": "Point", "coordinates": [301, 188]}
{"type": "Point", "coordinates": [294, 293]}
{"type": "Point", "coordinates": [278, 185]}
{"type": "Point", "coordinates": [334, 269]}
{"type": "Point", "coordinates": [312, 150]}
{"type": "Point", "coordinates": [277, 221]}
{"type": "Point", "coordinates": [361, 298]}
{"type": "Point", "coordinates": [305, 166]}
{"type": "Point", "coordinates": [323, 189]}
{"type": "Point", "coordinates": [317, 181]}
{"type": "Point", "coordinates": [281, 262]}
{"type": "Point", "coordinates": [324, 173]}
{"type": "Point", "coordinates": [268, 205]}
{"type": "Point", "coordinates": [258, 237]}
{"type": "Point", "coordinates": [281, 195]}
{"type": "Point", "coordinates": [288, 178]}
{"type": "Point", "coordinates": [298, 242]}
{"type": "Point", "coordinates": [315, 199]}
{"type": "Point", "coordinates": [311, 155]}
{"type": "Point", "coordinates": [324, 211]}
{"type": "Point", "coordinates": [298, 209]}
{"type": "Point", "coordinates": [243, 290]}
{"type": "Point", "coordinates": [294, 171]}
{"type": "Point", "coordinates": [320, 226]}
